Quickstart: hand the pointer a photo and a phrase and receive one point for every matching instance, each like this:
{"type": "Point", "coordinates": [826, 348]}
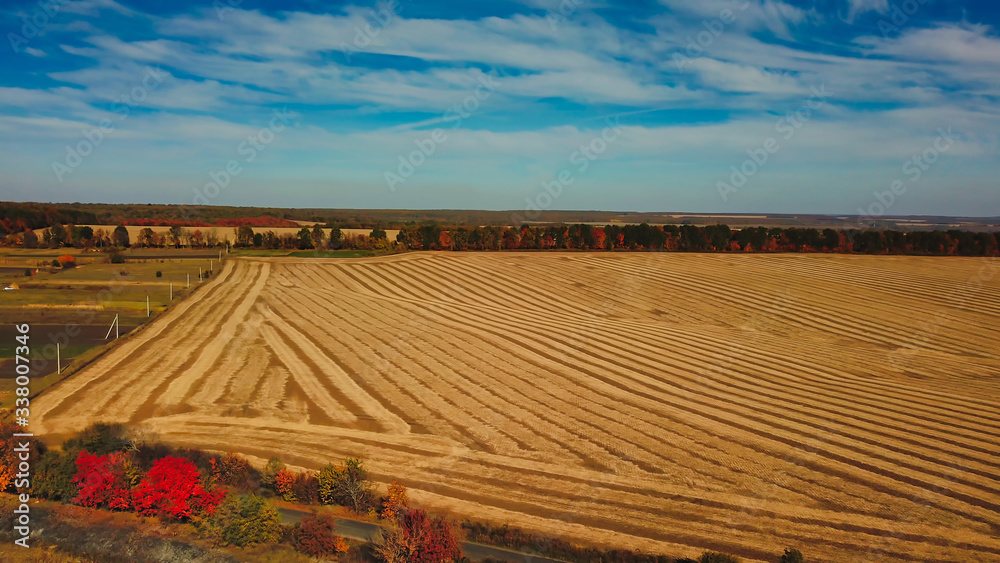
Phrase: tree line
{"type": "Point", "coordinates": [692, 238]}
{"type": "Point", "coordinates": [579, 236]}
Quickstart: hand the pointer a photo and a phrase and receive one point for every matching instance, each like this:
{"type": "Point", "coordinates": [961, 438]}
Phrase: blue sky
{"type": "Point", "coordinates": [720, 106]}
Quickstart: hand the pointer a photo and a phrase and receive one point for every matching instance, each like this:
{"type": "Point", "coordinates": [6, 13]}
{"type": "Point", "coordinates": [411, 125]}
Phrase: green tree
{"type": "Point", "coordinates": [176, 232]}
{"type": "Point", "coordinates": [378, 233]}
{"type": "Point", "coordinates": [244, 520]}
{"type": "Point", "coordinates": [305, 238]}
{"type": "Point", "coordinates": [244, 236]}
{"type": "Point", "coordinates": [346, 485]}
{"type": "Point", "coordinates": [120, 237]}
{"type": "Point", "coordinates": [274, 465]}
{"type": "Point", "coordinates": [713, 557]}
{"type": "Point", "coordinates": [56, 236]}
{"type": "Point", "coordinates": [30, 239]}
{"type": "Point", "coordinates": [258, 240]}
{"type": "Point", "coordinates": [318, 237]}
{"type": "Point", "coordinates": [792, 555]}
{"type": "Point", "coordinates": [335, 237]}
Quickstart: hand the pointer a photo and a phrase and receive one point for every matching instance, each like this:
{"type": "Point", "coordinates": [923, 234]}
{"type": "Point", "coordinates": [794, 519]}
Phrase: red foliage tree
{"type": "Point", "coordinates": [173, 487]}
{"type": "Point", "coordinates": [444, 241]}
{"type": "Point", "coordinates": [284, 484]}
{"type": "Point", "coordinates": [313, 535]}
{"type": "Point", "coordinates": [428, 540]}
{"type": "Point", "coordinates": [101, 481]}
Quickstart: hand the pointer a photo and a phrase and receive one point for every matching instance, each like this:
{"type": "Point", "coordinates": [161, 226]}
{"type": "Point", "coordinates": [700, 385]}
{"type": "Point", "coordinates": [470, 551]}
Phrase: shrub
{"type": "Point", "coordinates": [274, 465]}
{"type": "Point", "coordinates": [117, 257]}
{"type": "Point", "coordinates": [306, 488]}
{"type": "Point", "coordinates": [172, 488]}
{"type": "Point", "coordinates": [235, 471]}
{"type": "Point", "coordinates": [67, 261]}
{"type": "Point", "coordinates": [346, 485]}
{"type": "Point", "coordinates": [792, 556]}
{"type": "Point", "coordinates": [713, 557]}
{"type": "Point", "coordinates": [53, 479]}
{"type": "Point", "coordinates": [313, 535]}
{"type": "Point", "coordinates": [394, 501]}
{"type": "Point", "coordinates": [101, 481]}
{"type": "Point", "coordinates": [284, 484]}
{"type": "Point", "coordinates": [56, 264]}
{"type": "Point", "coordinates": [159, 274]}
{"type": "Point", "coordinates": [418, 539]}
{"type": "Point", "coordinates": [27, 272]}
{"type": "Point", "coordinates": [245, 520]}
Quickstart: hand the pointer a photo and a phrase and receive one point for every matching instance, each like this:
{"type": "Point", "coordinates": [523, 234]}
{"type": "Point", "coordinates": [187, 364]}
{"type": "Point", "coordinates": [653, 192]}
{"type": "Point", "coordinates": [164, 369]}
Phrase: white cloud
{"type": "Point", "coordinates": [861, 7]}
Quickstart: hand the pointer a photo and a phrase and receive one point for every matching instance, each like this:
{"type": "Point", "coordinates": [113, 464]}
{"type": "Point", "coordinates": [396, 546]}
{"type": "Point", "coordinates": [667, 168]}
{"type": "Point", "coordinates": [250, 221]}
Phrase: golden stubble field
{"type": "Point", "coordinates": [845, 405]}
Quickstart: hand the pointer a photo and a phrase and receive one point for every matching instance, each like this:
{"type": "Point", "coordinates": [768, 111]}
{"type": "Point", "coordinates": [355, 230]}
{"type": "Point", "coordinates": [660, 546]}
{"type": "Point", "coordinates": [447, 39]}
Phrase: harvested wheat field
{"type": "Point", "coordinates": [845, 405]}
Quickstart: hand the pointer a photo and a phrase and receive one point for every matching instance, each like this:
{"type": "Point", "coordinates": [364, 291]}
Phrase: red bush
{"type": "Point", "coordinates": [101, 481]}
{"type": "Point", "coordinates": [428, 540]}
{"type": "Point", "coordinates": [172, 487]}
{"type": "Point", "coordinates": [313, 535]}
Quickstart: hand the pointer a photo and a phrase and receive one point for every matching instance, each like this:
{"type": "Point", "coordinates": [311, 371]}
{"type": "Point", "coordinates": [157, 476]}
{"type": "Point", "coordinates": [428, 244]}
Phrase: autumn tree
{"type": "Point", "coordinates": [29, 239]}
{"type": "Point", "coordinates": [314, 535]}
{"type": "Point", "coordinates": [56, 236]}
{"type": "Point", "coordinates": [173, 488]}
{"type": "Point", "coordinates": [394, 501]}
{"type": "Point", "coordinates": [102, 481]}
{"type": "Point", "coordinates": [346, 485]}
{"type": "Point", "coordinates": [234, 470]}
{"type": "Point", "coordinates": [271, 469]}
{"type": "Point", "coordinates": [284, 484]}
{"type": "Point", "coordinates": [444, 241]}
{"type": "Point", "coordinates": [176, 232]}
{"type": "Point", "coordinates": [244, 520]}
{"type": "Point", "coordinates": [244, 235]}
{"type": "Point", "coordinates": [418, 538]}
{"type": "Point", "coordinates": [147, 237]}
{"type": "Point", "coordinates": [120, 237]}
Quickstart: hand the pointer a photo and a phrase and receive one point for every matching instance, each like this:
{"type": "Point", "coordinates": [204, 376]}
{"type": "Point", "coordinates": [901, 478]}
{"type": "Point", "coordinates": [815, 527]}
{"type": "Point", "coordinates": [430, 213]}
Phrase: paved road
{"type": "Point", "coordinates": [365, 530]}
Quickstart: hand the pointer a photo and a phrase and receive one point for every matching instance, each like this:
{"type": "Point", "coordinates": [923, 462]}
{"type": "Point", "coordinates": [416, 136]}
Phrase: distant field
{"type": "Point", "coordinates": [228, 234]}
{"type": "Point", "coordinates": [845, 405]}
{"type": "Point", "coordinates": [76, 306]}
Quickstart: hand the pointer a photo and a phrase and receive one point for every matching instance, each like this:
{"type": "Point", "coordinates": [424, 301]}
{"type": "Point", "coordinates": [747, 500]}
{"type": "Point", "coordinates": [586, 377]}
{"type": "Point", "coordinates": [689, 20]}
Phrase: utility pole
{"type": "Point", "coordinates": [199, 274]}
{"type": "Point", "coordinates": [189, 281]}
{"type": "Point", "coordinates": [171, 291]}
{"type": "Point", "coordinates": [147, 305]}
{"type": "Point", "coordinates": [58, 360]}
